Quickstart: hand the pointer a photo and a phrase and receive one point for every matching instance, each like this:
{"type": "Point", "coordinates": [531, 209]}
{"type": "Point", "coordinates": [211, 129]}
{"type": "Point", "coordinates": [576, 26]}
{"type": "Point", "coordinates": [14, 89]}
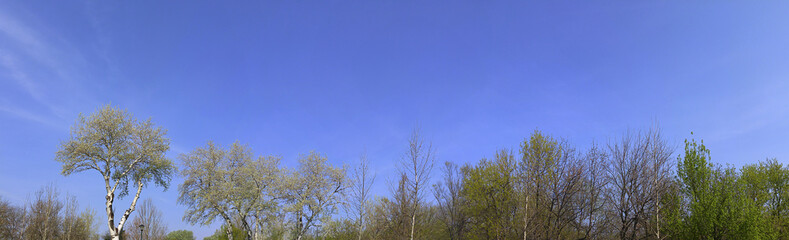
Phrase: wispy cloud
{"type": "Point", "coordinates": [28, 115]}
{"type": "Point", "coordinates": [41, 68]}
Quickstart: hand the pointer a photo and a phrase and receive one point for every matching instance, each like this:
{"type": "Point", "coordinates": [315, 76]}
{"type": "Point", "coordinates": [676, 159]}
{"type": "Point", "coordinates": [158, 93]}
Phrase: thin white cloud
{"type": "Point", "coordinates": [15, 72]}
{"type": "Point", "coordinates": [41, 66]}
{"type": "Point", "coordinates": [27, 115]}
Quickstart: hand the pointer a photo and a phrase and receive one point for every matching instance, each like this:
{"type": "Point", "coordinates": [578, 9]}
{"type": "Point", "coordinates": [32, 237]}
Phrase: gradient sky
{"type": "Point", "coordinates": [339, 77]}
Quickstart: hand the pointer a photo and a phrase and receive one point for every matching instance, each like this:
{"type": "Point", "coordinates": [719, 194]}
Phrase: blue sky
{"type": "Point", "coordinates": [343, 77]}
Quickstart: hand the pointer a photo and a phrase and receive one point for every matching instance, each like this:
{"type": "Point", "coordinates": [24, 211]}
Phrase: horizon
{"type": "Point", "coordinates": [343, 78]}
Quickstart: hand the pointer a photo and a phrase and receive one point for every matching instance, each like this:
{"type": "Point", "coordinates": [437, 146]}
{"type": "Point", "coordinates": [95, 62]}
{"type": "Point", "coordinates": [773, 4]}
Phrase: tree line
{"type": "Point", "coordinates": [632, 187]}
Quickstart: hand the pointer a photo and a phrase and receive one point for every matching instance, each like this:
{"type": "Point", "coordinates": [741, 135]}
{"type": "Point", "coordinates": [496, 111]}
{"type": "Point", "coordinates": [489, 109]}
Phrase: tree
{"type": "Point", "coordinates": [123, 150]}
{"type": "Point", "coordinates": [416, 166]}
{"type": "Point", "coordinates": [717, 202]}
{"type": "Point", "coordinates": [44, 217]}
{"type": "Point", "coordinates": [151, 219]}
{"type": "Point", "coordinates": [180, 235]}
{"type": "Point", "coordinates": [13, 221]}
{"type": "Point", "coordinates": [767, 185]}
{"type": "Point", "coordinates": [77, 225]}
{"type": "Point", "coordinates": [490, 200]}
{"type": "Point", "coordinates": [360, 192]}
{"type": "Point", "coordinates": [314, 191]}
{"type": "Point", "coordinates": [539, 157]}
{"type": "Point", "coordinates": [228, 184]}
{"type": "Point", "coordinates": [594, 202]}
{"type": "Point", "coordinates": [639, 176]}
{"type": "Point", "coordinates": [450, 201]}
{"type": "Point", "coordinates": [220, 233]}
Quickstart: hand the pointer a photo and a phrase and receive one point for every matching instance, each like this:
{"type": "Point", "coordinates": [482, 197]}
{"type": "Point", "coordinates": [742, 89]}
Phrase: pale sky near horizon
{"type": "Point", "coordinates": [342, 77]}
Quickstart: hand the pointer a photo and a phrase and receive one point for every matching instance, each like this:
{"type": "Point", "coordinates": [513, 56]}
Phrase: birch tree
{"type": "Point", "coordinates": [124, 150]}
{"type": "Point", "coordinates": [416, 166]}
{"type": "Point", "coordinates": [363, 180]}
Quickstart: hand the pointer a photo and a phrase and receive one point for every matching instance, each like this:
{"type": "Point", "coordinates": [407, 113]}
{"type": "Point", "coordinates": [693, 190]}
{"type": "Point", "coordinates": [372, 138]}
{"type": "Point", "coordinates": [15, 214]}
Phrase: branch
{"type": "Point", "coordinates": [133, 204]}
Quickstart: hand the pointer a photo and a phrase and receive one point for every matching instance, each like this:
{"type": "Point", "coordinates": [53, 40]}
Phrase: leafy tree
{"type": "Point", "coordinates": [550, 180]}
{"type": "Point", "coordinates": [314, 191]}
{"type": "Point", "coordinates": [341, 230]}
{"type": "Point", "coordinates": [123, 150]}
{"type": "Point", "coordinates": [718, 204]}
{"type": "Point", "coordinates": [221, 233]}
{"type": "Point", "coordinates": [180, 235]}
{"type": "Point", "coordinates": [767, 185]}
{"type": "Point", "coordinates": [231, 185]}
{"type": "Point", "coordinates": [539, 154]}
{"type": "Point", "coordinates": [488, 191]}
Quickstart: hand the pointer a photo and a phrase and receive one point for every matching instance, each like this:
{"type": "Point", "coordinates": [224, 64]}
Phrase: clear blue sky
{"type": "Point", "coordinates": [340, 77]}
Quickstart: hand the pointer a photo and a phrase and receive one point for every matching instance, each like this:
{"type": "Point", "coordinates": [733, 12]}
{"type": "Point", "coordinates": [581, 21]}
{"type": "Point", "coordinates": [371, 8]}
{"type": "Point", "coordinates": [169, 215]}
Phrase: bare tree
{"type": "Point", "coordinates": [564, 189]}
{"type": "Point", "coordinates": [450, 201]}
{"type": "Point", "coordinates": [417, 165]}
{"type": "Point", "coordinates": [360, 192]}
{"type": "Point", "coordinates": [639, 175]}
{"type": "Point", "coordinates": [151, 218]}
{"type": "Point", "coordinates": [595, 183]}
{"type": "Point", "coordinates": [13, 221]}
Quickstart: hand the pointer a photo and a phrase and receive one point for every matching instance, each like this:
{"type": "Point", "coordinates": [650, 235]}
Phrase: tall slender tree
{"type": "Point", "coordinates": [416, 165]}
{"type": "Point", "coordinates": [363, 181]}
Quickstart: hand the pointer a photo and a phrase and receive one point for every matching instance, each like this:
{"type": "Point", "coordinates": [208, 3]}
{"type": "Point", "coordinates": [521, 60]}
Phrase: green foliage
{"type": "Point", "coordinates": [340, 230]}
{"type": "Point", "coordinates": [180, 235]}
{"type": "Point", "coordinates": [314, 191]}
{"type": "Point", "coordinates": [230, 184]}
{"type": "Point", "coordinates": [120, 147]}
{"type": "Point", "coordinates": [718, 202]}
{"type": "Point", "coordinates": [220, 234]}
{"type": "Point", "coordinates": [123, 150]}
{"type": "Point", "coordinates": [490, 198]}
{"type": "Point", "coordinates": [767, 185]}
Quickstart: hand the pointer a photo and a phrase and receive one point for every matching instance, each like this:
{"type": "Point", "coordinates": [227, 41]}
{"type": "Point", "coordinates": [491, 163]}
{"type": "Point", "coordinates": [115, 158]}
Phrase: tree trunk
{"type": "Point", "coordinates": [229, 229]}
{"type": "Point", "coordinates": [526, 218]}
{"type": "Point", "coordinates": [413, 220]}
{"type": "Point", "coordinates": [130, 210]}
